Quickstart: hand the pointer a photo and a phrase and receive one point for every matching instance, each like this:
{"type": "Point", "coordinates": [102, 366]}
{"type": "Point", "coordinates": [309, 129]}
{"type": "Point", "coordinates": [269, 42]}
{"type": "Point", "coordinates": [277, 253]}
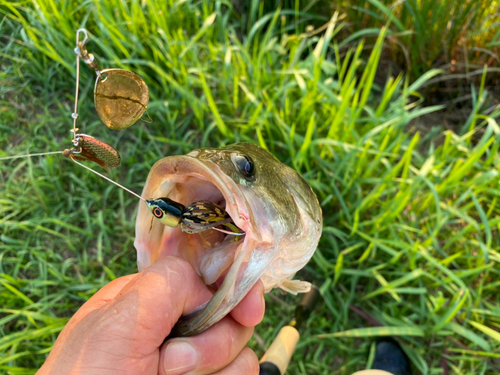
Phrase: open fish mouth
{"type": "Point", "coordinates": [186, 179]}
{"type": "Point", "coordinates": [268, 201]}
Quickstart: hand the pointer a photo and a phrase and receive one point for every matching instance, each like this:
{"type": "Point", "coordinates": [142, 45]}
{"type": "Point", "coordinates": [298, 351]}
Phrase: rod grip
{"type": "Point", "coordinates": [281, 350]}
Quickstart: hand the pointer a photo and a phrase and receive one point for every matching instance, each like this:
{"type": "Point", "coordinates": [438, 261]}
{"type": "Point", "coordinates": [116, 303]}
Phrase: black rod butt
{"type": "Point", "coordinates": [268, 368]}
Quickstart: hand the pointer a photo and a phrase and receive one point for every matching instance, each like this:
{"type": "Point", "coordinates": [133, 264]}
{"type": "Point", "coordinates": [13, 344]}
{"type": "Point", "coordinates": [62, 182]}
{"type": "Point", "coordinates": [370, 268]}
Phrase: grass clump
{"type": "Point", "coordinates": [410, 245]}
{"type": "Point", "coordinates": [458, 36]}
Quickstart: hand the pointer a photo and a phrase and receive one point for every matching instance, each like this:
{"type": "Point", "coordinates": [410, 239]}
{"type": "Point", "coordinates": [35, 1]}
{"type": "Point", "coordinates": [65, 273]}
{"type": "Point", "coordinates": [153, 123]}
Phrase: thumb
{"type": "Point", "coordinates": [132, 324]}
{"type": "Point", "coordinates": [157, 297]}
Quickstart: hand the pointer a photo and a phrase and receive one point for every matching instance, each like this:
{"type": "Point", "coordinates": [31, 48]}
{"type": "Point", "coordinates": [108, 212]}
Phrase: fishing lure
{"type": "Point", "coordinates": [121, 98]}
{"type": "Point", "coordinates": [86, 147]}
{"type": "Point", "coordinates": [195, 218]}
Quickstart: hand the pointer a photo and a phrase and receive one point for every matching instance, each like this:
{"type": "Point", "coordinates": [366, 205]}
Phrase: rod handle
{"type": "Point", "coordinates": [281, 350]}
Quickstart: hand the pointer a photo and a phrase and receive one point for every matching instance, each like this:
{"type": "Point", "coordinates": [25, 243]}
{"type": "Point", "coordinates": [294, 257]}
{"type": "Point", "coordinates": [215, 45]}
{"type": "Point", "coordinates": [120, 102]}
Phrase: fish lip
{"type": "Point", "coordinates": [237, 207]}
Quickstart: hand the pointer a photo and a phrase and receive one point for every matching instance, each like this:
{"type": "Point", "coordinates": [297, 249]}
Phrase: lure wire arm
{"type": "Point", "coordinates": [106, 178]}
{"type": "Point", "coordinates": [79, 46]}
{"type": "Point", "coordinates": [81, 53]}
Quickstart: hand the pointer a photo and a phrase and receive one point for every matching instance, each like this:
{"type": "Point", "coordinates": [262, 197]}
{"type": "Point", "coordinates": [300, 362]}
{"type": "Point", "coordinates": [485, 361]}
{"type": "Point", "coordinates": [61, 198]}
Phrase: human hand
{"type": "Point", "coordinates": [121, 329]}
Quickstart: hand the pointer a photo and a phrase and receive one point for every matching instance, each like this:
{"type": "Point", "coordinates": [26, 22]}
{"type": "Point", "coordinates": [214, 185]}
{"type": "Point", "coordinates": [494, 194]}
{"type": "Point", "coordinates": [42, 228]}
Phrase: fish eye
{"type": "Point", "coordinates": [157, 212]}
{"type": "Point", "coordinates": [245, 165]}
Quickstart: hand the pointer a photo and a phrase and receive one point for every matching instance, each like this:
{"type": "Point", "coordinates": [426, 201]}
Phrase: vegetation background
{"type": "Point", "coordinates": [389, 110]}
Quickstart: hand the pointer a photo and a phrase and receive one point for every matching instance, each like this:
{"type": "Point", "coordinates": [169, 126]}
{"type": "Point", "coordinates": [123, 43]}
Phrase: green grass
{"type": "Point", "coordinates": [459, 36]}
{"type": "Point", "coordinates": [410, 245]}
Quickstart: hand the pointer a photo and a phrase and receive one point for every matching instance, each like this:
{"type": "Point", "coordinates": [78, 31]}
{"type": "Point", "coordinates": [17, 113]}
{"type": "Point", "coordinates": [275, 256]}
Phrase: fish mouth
{"type": "Point", "coordinates": [215, 256]}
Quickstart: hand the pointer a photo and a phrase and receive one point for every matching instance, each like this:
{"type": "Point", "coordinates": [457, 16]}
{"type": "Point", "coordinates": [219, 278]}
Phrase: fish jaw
{"type": "Point", "coordinates": [186, 179]}
{"type": "Point", "coordinates": [237, 283]}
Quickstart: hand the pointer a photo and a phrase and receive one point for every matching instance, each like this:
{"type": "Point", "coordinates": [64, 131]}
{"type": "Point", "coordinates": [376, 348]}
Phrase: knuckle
{"type": "Point", "coordinates": [227, 344]}
{"type": "Point", "coordinates": [248, 363]}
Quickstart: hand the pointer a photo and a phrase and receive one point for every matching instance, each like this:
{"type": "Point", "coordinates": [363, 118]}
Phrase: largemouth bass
{"type": "Point", "coordinates": [269, 201]}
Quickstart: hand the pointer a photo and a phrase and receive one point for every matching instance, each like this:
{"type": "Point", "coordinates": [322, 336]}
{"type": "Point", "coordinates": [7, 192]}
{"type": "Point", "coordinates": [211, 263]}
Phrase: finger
{"type": "Point", "coordinates": [104, 295]}
{"type": "Point", "coordinates": [157, 298]}
{"type": "Point", "coordinates": [207, 352]}
{"type": "Point", "coordinates": [245, 363]}
{"type": "Point", "coordinates": [250, 311]}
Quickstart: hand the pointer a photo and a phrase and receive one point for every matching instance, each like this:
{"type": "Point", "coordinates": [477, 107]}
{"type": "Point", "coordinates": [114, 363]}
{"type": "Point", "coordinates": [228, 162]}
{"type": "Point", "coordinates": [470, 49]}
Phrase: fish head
{"type": "Point", "coordinates": [270, 202]}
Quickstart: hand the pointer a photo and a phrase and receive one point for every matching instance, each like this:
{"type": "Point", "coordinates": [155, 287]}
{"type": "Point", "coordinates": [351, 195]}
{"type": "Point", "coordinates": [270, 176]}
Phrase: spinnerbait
{"type": "Point", "coordinates": [121, 97]}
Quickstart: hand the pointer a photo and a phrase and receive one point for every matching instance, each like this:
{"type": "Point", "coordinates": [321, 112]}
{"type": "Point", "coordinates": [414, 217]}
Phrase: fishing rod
{"type": "Point", "coordinates": [277, 357]}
